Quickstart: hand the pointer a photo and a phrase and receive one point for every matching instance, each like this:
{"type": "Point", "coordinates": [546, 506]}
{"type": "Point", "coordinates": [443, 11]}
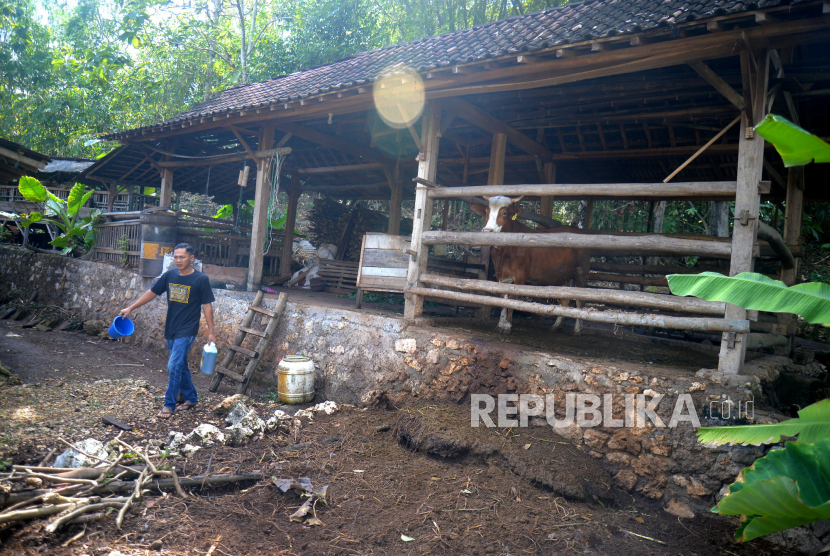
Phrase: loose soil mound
{"type": "Point", "coordinates": [537, 453]}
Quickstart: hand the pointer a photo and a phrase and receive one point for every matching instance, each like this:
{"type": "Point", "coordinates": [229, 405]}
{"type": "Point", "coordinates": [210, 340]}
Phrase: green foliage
{"type": "Point", "coordinates": [812, 424]}
{"type": "Point", "coordinates": [77, 232]}
{"type": "Point", "coordinates": [786, 488]}
{"type": "Point", "coordinates": [247, 216]}
{"type": "Point", "coordinates": [754, 291]}
{"type": "Point", "coordinates": [74, 71]}
{"type": "Point", "coordinates": [796, 146]}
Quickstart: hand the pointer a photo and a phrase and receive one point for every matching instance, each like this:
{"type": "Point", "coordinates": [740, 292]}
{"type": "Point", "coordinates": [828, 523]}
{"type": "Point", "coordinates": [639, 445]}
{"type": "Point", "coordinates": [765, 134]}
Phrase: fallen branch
{"type": "Point", "coordinates": [112, 487]}
{"type": "Point", "coordinates": [155, 471]}
{"type": "Point", "coordinates": [86, 508]}
{"type": "Point", "coordinates": [74, 538]}
{"type": "Point", "coordinates": [139, 483]}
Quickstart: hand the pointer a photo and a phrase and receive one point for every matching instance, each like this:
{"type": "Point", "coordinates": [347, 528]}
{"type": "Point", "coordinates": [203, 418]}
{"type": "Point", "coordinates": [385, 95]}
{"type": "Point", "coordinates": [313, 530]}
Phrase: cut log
{"type": "Point", "coordinates": [605, 242]}
{"type": "Point", "coordinates": [653, 269]}
{"type": "Point", "coordinates": [610, 297]}
{"type": "Point", "coordinates": [709, 190]}
{"type": "Point", "coordinates": [608, 317]}
{"type": "Point", "coordinates": [624, 279]}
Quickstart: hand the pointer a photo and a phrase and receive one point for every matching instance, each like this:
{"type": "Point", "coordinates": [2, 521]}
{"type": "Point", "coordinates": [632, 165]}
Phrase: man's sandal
{"type": "Point", "coordinates": [165, 413]}
{"type": "Point", "coordinates": [186, 406]}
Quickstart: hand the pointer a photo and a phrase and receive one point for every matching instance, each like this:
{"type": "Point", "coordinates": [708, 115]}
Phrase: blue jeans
{"type": "Point", "coordinates": [179, 372]}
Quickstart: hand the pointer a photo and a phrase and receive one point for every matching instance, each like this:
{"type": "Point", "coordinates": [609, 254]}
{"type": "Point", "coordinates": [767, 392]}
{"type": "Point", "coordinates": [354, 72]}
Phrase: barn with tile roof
{"type": "Point", "coordinates": [606, 99]}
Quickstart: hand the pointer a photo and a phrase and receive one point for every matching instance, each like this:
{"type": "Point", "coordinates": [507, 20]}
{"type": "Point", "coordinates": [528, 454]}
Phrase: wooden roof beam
{"type": "Point", "coordinates": [718, 83]}
{"type": "Point", "coordinates": [332, 142]}
{"type": "Point", "coordinates": [485, 121]}
{"type": "Point", "coordinates": [23, 160]}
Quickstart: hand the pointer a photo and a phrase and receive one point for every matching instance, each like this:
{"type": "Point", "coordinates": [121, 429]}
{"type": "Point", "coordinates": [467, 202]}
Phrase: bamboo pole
{"type": "Point", "coordinates": [627, 279]}
{"type": "Point", "coordinates": [611, 297]}
{"type": "Point", "coordinates": [652, 269]}
{"type": "Point", "coordinates": [724, 189]}
{"type": "Point", "coordinates": [703, 148]}
{"type": "Point", "coordinates": [647, 243]}
{"type": "Point", "coordinates": [608, 317]}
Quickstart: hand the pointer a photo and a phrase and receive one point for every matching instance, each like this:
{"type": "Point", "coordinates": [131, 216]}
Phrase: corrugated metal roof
{"type": "Point", "coordinates": [71, 165]}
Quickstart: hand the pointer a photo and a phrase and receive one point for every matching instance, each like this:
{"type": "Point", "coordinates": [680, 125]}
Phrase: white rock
{"type": "Point", "coordinates": [328, 407]}
{"type": "Point", "coordinates": [237, 412]}
{"type": "Point", "coordinates": [72, 458]}
{"type": "Point", "coordinates": [174, 440]}
{"type": "Point", "coordinates": [189, 449]}
{"type": "Point", "coordinates": [241, 433]}
{"type": "Point", "coordinates": [279, 419]}
{"type": "Point", "coordinates": [308, 413]}
{"type": "Point", "coordinates": [252, 421]}
{"type": "Point", "coordinates": [206, 435]}
{"type": "Point", "coordinates": [406, 346]}
{"type": "Point", "coordinates": [238, 435]}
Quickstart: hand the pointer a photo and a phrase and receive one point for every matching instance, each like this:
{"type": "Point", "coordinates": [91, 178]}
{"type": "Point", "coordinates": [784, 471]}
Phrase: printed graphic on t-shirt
{"type": "Point", "coordinates": [179, 293]}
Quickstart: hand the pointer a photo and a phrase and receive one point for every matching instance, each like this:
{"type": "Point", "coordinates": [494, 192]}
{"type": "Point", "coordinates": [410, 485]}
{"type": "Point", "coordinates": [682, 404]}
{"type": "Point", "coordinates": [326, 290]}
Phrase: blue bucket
{"type": "Point", "coordinates": [121, 327]}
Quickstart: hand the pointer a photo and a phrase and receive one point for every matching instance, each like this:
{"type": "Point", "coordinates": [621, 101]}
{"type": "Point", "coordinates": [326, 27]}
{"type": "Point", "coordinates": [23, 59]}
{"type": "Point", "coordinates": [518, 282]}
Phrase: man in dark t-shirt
{"type": "Point", "coordinates": [188, 293]}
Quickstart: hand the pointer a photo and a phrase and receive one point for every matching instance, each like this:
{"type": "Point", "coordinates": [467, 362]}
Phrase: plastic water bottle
{"type": "Point", "coordinates": [208, 359]}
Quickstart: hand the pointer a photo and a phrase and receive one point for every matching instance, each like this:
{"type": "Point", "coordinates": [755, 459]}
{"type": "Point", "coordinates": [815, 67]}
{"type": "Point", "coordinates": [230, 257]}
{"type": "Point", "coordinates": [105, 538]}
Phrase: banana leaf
{"type": "Point", "coordinates": [786, 488]}
{"type": "Point", "coordinates": [811, 425]}
{"type": "Point", "coordinates": [224, 211]}
{"type": "Point", "coordinates": [31, 189]}
{"type": "Point", "coordinates": [755, 291]}
{"type": "Point", "coordinates": [73, 201]}
{"type": "Point", "coordinates": [796, 146]}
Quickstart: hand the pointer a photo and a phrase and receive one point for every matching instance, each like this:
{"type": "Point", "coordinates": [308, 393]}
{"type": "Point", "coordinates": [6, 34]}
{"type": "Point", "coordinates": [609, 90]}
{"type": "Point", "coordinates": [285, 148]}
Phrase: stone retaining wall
{"type": "Point", "coordinates": [369, 359]}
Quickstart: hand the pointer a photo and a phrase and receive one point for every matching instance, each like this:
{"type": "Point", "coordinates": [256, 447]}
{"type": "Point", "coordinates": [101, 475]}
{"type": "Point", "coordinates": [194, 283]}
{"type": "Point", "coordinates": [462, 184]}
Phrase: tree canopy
{"type": "Point", "coordinates": [77, 69]}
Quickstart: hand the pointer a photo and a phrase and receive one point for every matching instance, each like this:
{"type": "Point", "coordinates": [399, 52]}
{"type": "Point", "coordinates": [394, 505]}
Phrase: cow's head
{"type": "Point", "coordinates": [500, 213]}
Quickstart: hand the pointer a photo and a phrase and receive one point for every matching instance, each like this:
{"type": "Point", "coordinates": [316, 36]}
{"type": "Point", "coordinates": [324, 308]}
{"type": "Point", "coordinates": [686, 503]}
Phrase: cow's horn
{"type": "Point", "coordinates": [517, 199]}
{"type": "Point", "coordinates": [485, 198]}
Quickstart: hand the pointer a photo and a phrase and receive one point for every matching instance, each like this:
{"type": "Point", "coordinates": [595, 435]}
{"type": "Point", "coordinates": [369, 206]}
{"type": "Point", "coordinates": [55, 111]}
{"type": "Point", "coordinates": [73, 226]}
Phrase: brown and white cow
{"type": "Point", "coordinates": [543, 266]}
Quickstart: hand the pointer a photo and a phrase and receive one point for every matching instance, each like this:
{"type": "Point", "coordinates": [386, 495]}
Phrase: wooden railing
{"type": "Point", "coordinates": [225, 244]}
{"type": "Point", "coordinates": [214, 241]}
{"type": "Point", "coordinates": [481, 292]}
{"type": "Point", "coordinates": [118, 242]}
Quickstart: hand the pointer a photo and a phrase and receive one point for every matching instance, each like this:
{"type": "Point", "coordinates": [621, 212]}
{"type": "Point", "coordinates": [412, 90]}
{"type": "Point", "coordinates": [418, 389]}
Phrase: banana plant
{"type": "Point", "coordinates": [796, 146]}
{"type": "Point", "coordinates": [811, 425]}
{"type": "Point", "coordinates": [786, 488]}
{"type": "Point", "coordinates": [754, 291]}
{"type": "Point", "coordinates": [76, 232]}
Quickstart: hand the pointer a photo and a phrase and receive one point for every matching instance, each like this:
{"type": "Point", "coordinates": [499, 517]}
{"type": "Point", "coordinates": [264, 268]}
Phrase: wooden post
{"type": "Point", "coordinates": [290, 221]}
{"type": "Point", "coordinates": [793, 217]}
{"type": "Point", "coordinates": [495, 176]}
{"type": "Point", "coordinates": [441, 250]}
{"type": "Point", "coordinates": [113, 193]}
{"type": "Point", "coordinates": [747, 203]}
{"type": "Point", "coordinates": [166, 187]}
{"type": "Point", "coordinates": [427, 169]}
{"type": "Point", "coordinates": [395, 199]}
{"type": "Point", "coordinates": [787, 322]}
{"type": "Point", "coordinates": [261, 200]}
{"type": "Point", "coordinates": [719, 219]}
{"type": "Point", "coordinates": [549, 171]}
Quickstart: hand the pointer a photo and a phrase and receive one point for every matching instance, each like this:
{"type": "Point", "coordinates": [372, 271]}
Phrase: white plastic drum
{"type": "Point", "coordinates": [295, 379]}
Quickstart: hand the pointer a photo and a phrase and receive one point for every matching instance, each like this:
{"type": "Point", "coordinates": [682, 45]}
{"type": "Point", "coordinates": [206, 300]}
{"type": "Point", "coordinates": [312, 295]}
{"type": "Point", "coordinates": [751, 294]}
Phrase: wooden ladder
{"type": "Point", "coordinates": [242, 333]}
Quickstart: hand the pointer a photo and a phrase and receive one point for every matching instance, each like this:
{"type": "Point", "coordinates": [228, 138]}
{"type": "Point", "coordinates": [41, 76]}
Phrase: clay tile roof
{"type": "Point", "coordinates": [571, 23]}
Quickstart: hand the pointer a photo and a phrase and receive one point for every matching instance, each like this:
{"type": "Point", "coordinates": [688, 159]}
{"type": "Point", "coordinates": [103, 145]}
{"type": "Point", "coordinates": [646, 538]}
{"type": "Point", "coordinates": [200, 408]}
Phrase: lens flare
{"type": "Point", "coordinates": [399, 97]}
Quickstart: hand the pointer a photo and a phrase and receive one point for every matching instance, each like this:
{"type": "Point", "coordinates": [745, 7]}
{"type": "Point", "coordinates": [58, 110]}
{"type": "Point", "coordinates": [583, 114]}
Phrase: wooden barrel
{"type": "Point", "coordinates": [295, 379]}
{"type": "Point", "coordinates": [158, 236]}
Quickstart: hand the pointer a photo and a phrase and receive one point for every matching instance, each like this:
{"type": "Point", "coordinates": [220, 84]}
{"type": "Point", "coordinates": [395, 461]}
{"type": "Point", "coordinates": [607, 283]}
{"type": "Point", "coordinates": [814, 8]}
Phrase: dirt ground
{"type": "Point", "coordinates": [380, 492]}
